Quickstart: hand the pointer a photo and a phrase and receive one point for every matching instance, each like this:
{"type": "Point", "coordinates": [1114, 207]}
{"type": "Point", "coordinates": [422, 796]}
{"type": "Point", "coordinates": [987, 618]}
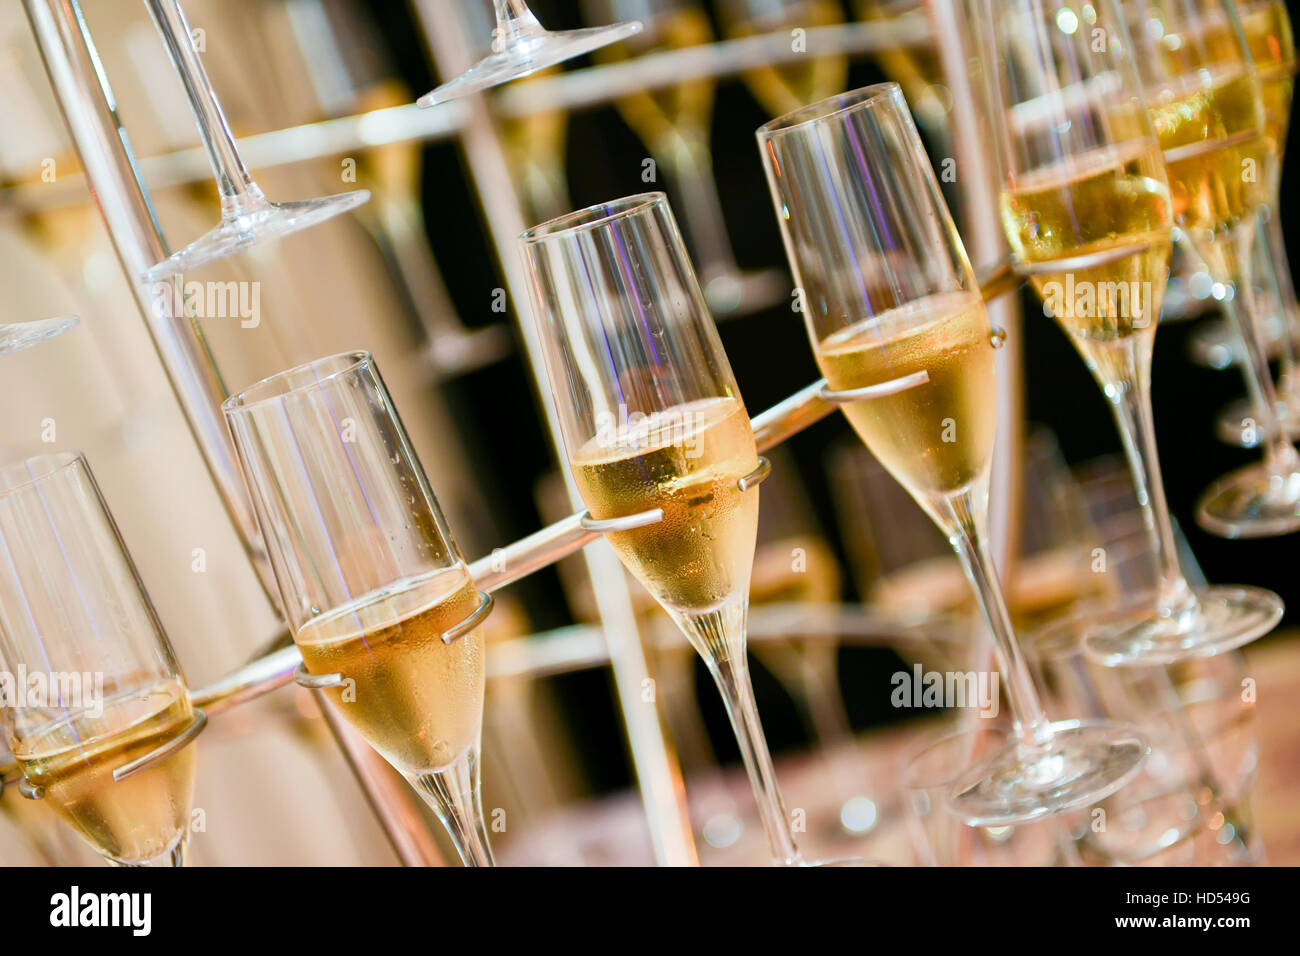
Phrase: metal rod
{"type": "Point", "coordinates": [582, 647]}
{"type": "Point", "coordinates": [596, 85]}
{"type": "Point", "coordinates": [89, 109]}
{"type": "Point", "coordinates": [393, 802]}
{"type": "Point", "coordinates": [409, 124]}
{"type": "Point", "coordinates": [254, 679]}
{"type": "Point", "coordinates": [540, 549]}
{"type": "Point", "coordinates": [158, 755]}
{"type": "Point", "coordinates": [557, 541]}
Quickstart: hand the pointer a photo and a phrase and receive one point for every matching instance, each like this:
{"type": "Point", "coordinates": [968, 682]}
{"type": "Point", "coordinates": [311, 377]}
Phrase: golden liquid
{"type": "Point", "coordinates": [662, 116]}
{"type": "Point", "coordinates": [686, 461]}
{"type": "Point", "coordinates": [936, 438]}
{"type": "Point", "coordinates": [917, 69]}
{"type": "Point", "coordinates": [1108, 200]}
{"type": "Point", "coordinates": [534, 147]}
{"type": "Point", "coordinates": [416, 700]}
{"type": "Point", "coordinates": [135, 820]}
{"type": "Point", "coordinates": [1266, 27]}
{"type": "Point", "coordinates": [784, 87]}
{"type": "Point", "coordinates": [1217, 156]}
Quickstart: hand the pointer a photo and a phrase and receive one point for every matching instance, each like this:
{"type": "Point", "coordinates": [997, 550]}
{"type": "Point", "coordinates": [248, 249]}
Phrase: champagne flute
{"type": "Point", "coordinates": [377, 594]}
{"type": "Point", "coordinates": [652, 418]}
{"type": "Point", "coordinates": [521, 46]}
{"type": "Point", "coordinates": [674, 123]}
{"type": "Point", "coordinates": [105, 745]}
{"type": "Point", "coordinates": [782, 87]}
{"type": "Point", "coordinates": [1267, 29]}
{"type": "Point", "coordinates": [1087, 211]}
{"type": "Point", "coordinates": [1207, 107]}
{"type": "Point", "coordinates": [247, 216]}
{"type": "Point", "coordinates": [888, 294]}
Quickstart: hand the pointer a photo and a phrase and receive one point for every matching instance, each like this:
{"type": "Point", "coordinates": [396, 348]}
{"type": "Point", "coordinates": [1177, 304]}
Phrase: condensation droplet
{"type": "Point", "coordinates": [997, 337]}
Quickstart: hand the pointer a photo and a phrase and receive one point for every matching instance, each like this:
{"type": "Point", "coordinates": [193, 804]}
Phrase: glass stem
{"type": "Point", "coordinates": [238, 191]}
{"type": "Point", "coordinates": [454, 796]}
{"type": "Point", "coordinates": [1274, 258]}
{"type": "Point", "coordinates": [1130, 401]}
{"type": "Point", "coordinates": [1235, 261]}
{"type": "Point", "coordinates": [969, 539]}
{"type": "Point", "coordinates": [720, 639]}
{"type": "Point", "coordinates": [514, 22]}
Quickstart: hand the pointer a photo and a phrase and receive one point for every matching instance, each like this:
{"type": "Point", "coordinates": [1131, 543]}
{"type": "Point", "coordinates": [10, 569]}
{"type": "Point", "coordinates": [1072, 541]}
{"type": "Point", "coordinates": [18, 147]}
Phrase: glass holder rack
{"type": "Point", "coordinates": [116, 180]}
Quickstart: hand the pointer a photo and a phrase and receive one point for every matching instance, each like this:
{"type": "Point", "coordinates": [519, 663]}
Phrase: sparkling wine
{"type": "Point", "coordinates": [415, 699]}
{"type": "Point", "coordinates": [936, 438]}
{"type": "Point", "coordinates": [1071, 226]}
{"type": "Point", "coordinates": [136, 820]}
{"type": "Point", "coordinates": [783, 87]}
{"type": "Point", "coordinates": [917, 69]}
{"type": "Point", "coordinates": [662, 116]}
{"type": "Point", "coordinates": [1217, 155]}
{"type": "Point", "coordinates": [686, 460]}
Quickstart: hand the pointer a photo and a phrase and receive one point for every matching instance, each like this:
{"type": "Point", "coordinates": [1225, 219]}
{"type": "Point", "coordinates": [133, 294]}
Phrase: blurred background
{"type": "Point", "coordinates": [852, 584]}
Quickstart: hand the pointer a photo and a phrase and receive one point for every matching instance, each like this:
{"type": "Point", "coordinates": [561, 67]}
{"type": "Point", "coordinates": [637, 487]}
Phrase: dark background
{"type": "Point", "coordinates": [771, 357]}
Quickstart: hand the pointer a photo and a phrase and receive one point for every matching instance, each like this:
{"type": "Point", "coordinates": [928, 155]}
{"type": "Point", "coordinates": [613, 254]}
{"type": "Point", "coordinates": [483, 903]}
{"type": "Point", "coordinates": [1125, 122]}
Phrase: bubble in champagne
{"type": "Point", "coordinates": [997, 336]}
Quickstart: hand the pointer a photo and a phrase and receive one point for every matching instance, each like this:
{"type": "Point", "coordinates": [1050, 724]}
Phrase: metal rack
{"type": "Point", "coordinates": [119, 184]}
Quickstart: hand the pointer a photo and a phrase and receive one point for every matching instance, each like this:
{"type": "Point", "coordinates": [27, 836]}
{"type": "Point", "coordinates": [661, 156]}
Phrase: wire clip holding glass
{"type": "Point", "coordinates": [755, 477]}
{"type": "Point", "coordinates": [625, 523]}
{"type": "Point", "coordinates": [880, 390]}
{"type": "Point", "coordinates": [159, 754]}
{"type": "Point", "coordinates": [303, 678]}
{"type": "Point", "coordinates": [474, 620]}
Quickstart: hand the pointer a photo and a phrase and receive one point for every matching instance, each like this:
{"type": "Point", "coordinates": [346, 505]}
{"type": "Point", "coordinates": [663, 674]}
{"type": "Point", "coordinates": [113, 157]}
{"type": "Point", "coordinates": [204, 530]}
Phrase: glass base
{"type": "Point", "coordinates": [1236, 424]}
{"type": "Point", "coordinates": [16, 336]}
{"type": "Point", "coordinates": [1251, 502]}
{"type": "Point", "coordinates": [1223, 618]}
{"type": "Point", "coordinates": [1083, 762]}
{"type": "Point", "coordinates": [529, 52]}
{"type": "Point", "coordinates": [1216, 344]}
{"type": "Point", "coordinates": [259, 223]}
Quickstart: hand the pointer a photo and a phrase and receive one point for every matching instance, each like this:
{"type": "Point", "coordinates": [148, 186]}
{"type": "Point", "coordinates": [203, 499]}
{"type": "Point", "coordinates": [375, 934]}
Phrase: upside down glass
{"type": "Point", "coordinates": [247, 216]}
{"type": "Point", "coordinates": [1087, 210]}
{"type": "Point", "coordinates": [887, 293]}
{"type": "Point", "coordinates": [373, 584]}
{"type": "Point", "coordinates": [74, 611]}
{"type": "Point", "coordinates": [520, 47]}
{"type": "Point", "coordinates": [652, 418]}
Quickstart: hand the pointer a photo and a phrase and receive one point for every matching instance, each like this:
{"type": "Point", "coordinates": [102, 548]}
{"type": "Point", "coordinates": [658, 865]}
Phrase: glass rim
{"type": "Point", "coordinates": [831, 107]}
{"type": "Point", "coordinates": [590, 217]}
{"type": "Point", "coordinates": [51, 464]}
{"type": "Point", "coordinates": [277, 386]}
